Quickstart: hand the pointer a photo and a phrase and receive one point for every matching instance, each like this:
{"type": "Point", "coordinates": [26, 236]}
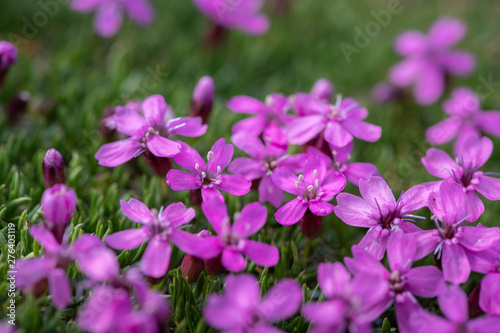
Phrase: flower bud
{"type": "Point", "coordinates": [203, 98]}
{"type": "Point", "coordinates": [58, 204]}
{"type": "Point", "coordinates": [214, 266]}
{"type": "Point", "coordinates": [311, 224]}
{"type": "Point", "coordinates": [8, 56]}
{"type": "Point", "coordinates": [18, 106]}
{"type": "Point", "coordinates": [191, 266]}
{"type": "Point", "coordinates": [322, 89]}
{"type": "Point", "coordinates": [160, 165]}
{"type": "Point", "coordinates": [473, 300]}
{"type": "Point", "coordinates": [53, 168]}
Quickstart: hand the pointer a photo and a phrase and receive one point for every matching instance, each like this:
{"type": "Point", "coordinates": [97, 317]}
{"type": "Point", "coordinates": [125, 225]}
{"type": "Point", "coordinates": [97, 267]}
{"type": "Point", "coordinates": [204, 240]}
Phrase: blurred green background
{"type": "Point", "coordinates": [73, 75]}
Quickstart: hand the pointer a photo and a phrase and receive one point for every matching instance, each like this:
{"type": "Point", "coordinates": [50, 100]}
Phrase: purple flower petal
{"type": "Point", "coordinates": [474, 207]}
{"type": "Point", "coordinates": [177, 214]}
{"type": "Point", "coordinates": [233, 260]}
{"type": "Point", "coordinates": [253, 125]}
{"type": "Point", "coordinates": [181, 180]}
{"type": "Point", "coordinates": [401, 250]}
{"type": "Point", "coordinates": [291, 212]}
{"type": "Point", "coordinates": [429, 86]}
{"type": "Point", "coordinates": [377, 193]}
{"type": "Point", "coordinates": [154, 109]}
{"type": "Point", "coordinates": [246, 104]}
{"type": "Point", "coordinates": [282, 301]}
{"type": "Point", "coordinates": [405, 72]}
{"type": "Point", "coordinates": [337, 135]}
{"type": "Point", "coordinates": [489, 122]}
{"type": "Point", "coordinates": [187, 126]}
{"type": "Point", "coordinates": [269, 192]}
{"type": "Point", "coordinates": [136, 211]}
{"type": "Point", "coordinates": [60, 288]}
{"type": "Point", "coordinates": [302, 129]}
{"type": "Point", "coordinates": [250, 220]}
{"type": "Point", "coordinates": [411, 42]}
{"type": "Point", "coordinates": [453, 304]}
{"type": "Point", "coordinates": [361, 130]}
{"type": "Point", "coordinates": [108, 18]}
{"type": "Point", "coordinates": [235, 185]}
{"type": "Point", "coordinates": [140, 11]}
{"type": "Point", "coordinates": [354, 211]}
{"type": "Point", "coordinates": [45, 238]}
{"type": "Point", "coordinates": [489, 187]}
{"type": "Point", "coordinates": [320, 208]}
{"type": "Point", "coordinates": [427, 240]}
{"type": "Point", "coordinates": [247, 167]}
{"type": "Point", "coordinates": [221, 314]}
{"type": "Point", "coordinates": [156, 257]}
{"type": "Point", "coordinates": [163, 147]}
{"type": "Point", "coordinates": [444, 131]}
{"type": "Point", "coordinates": [128, 239]}
{"type": "Point", "coordinates": [188, 158]}
{"type": "Point", "coordinates": [456, 267]}
{"type": "Point", "coordinates": [222, 155]}
{"type": "Point", "coordinates": [478, 238]}
{"type": "Point", "coordinates": [333, 278]}
{"type": "Point", "coordinates": [332, 187]}
{"type": "Point", "coordinates": [116, 153]}
{"type": "Point", "coordinates": [446, 32]}
{"type": "Point", "coordinates": [357, 171]}
{"type": "Point", "coordinates": [31, 271]}
{"type": "Point", "coordinates": [424, 281]}
{"type": "Point", "coordinates": [438, 163]}
{"type": "Point", "coordinates": [375, 242]}
{"type": "Point", "coordinates": [262, 254]}
{"type": "Point", "coordinates": [458, 62]}
{"type": "Point", "coordinates": [327, 314]}
{"type": "Point", "coordinates": [250, 144]}
{"type": "Point", "coordinates": [210, 193]}
{"type": "Point", "coordinates": [128, 121]}
{"type": "Point", "coordinates": [285, 179]}
{"type": "Point", "coordinates": [216, 213]}
{"type": "Point", "coordinates": [489, 294]}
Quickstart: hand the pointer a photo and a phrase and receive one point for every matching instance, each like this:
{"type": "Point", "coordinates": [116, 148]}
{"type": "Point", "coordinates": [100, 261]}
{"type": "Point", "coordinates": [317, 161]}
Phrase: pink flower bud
{"type": "Point", "coordinates": [160, 165]}
{"type": "Point", "coordinates": [203, 98]}
{"type": "Point", "coordinates": [58, 204]}
{"type": "Point", "coordinates": [8, 56]}
{"type": "Point", "coordinates": [191, 266]}
{"type": "Point", "coordinates": [53, 168]}
{"type": "Point", "coordinates": [214, 266]}
{"type": "Point", "coordinates": [322, 89]}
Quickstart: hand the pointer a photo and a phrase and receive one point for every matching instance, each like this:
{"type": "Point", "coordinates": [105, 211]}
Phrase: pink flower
{"type": "Point", "coordinates": [109, 13]}
{"type": "Point", "coordinates": [264, 159]}
{"type": "Point", "coordinates": [340, 162]}
{"type": "Point", "coordinates": [465, 115]}
{"type": "Point", "coordinates": [207, 177]}
{"type": "Point", "coordinates": [429, 58]}
{"type": "Point", "coordinates": [158, 229]}
{"type": "Point", "coordinates": [351, 303]}
{"type": "Point", "coordinates": [93, 258]}
{"type": "Point", "coordinates": [452, 242]}
{"type": "Point", "coordinates": [232, 242]}
{"type": "Point", "coordinates": [379, 211]}
{"type": "Point", "coordinates": [53, 168]}
{"type": "Point", "coordinates": [243, 15]}
{"type": "Point", "coordinates": [338, 123]}
{"type": "Point", "coordinates": [149, 130]}
{"type": "Point", "coordinates": [241, 309]}
{"type": "Point", "coordinates": [402, 282]}
{"type": "Point", "coordinates": [471, 154]}
{"type": "Point", "coordinates": [273, 111]}
{"type": "Point", "coordinates": [8, 55]}
{"type": "Point", "coordinates": [203, 98]}
{"type": "Point", "coordinates": [322, 89]}
{"type": "Point", "coordinates": [58, 204]}
{"type": "Point", "coordinates": [314, 188]}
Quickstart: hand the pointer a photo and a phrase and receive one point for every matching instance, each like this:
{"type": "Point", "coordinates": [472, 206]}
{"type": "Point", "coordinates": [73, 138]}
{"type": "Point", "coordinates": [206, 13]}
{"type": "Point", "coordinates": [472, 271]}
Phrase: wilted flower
{"type": "Point", "coordinates": [265, 157]}
{"type": "Point", "coordinates": [58, 204]}
{"type": "Point", "coordinates": [465, 115]}
{"type": "Point", "coordinates": [158, 229]}
{"type": "Point", "coordinates": [429, 58]}
{"type": "Point", "coordinates": [471, 154]}
{"type": "Point", "coordinates": [53, 168]}
{"type": "Point", "coordinates": [241, 309]}
{"type": "Point", "coordinates": [149, 130]}
{"type": "Point", "coordinates": [232, 241]}
{"type": "Point", "coordinates": [203, 99]}
{"type": "Point", "coordinates": [379, 211]}
{"type": "Point", "coordinates": [207, 177]}
{"type": "Point", "coordinates": [109, 13]}
{"type": "Point", "coordinates": [243, 15]}
{"type": "Point", "coordinates": [452, 242]}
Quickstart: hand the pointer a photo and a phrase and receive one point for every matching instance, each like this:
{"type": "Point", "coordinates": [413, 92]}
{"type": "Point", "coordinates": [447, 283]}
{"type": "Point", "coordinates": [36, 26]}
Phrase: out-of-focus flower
{"type": "Point", "coordinates": [452, 242]}
{"type": "Point", "coordinates": [158, 229]}
{"type": "Point", "coordinates": [338, 123]}
{"type": "Point", "coordinates": [471, 154]}
{"type": "Point", "coordinates": [207, 176]}
{"type": "Point", "coordinates": [93, 258]}
{"type": "Point", "coordinates": [192, 266]}
{"type": "Point", "coordinates": [109, 13]}
{"type": "Point", "coordinates": [340, 162]}
{"type": "Point", "coordinates": [384, 92]}
{"type": "Point", "coordinates": [18, 106]}
{"type": "Point", "coordinates": [272, 111]}
{"type": "Point", "coordinates": [322, 89]}
{"type": "Point", "coordinates": [58, 204]}
{"type": "Point", "coordinates": [5, 327]}
{"type": "Point", "coordinates": [264, 158]}
{"type": "Point", "coordinates": [379, 211]}
{"type": "Point", "coordinates": [429, 58]}
{"type": "Point", "coordinates": [314, 188]}
{"type": "Point", "coordinates": [53, 168]}
{"type": "Point", "coordinates": [8, 56]}
{"type": "Point", "coordinates": [351, 303]}
{"type": "Point", "coordinates": [241, 309]}
{"type": "Point", "coordinates": [203, 99]}
{"type": "Point", "coordinates": [149, 130]}
{"type": "Point", "coordinates": [242, 15]}
{"type": "Point", "coordinates": [465, 115]}
{"type": "Point", "coordinates": [403, 282]}
{"type": "Point", "coordinates": [127, 306]}
{"type": "Point", "coordinates": [232, 241]}
{"type": "Point", "coordinates": [453, 304]}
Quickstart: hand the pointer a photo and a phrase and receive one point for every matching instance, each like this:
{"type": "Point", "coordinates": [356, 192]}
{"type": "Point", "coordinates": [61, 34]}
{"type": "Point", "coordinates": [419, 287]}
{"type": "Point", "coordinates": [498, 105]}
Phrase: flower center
{"type": "Point", "coordinates": [149, 133]}
{"type": "Point", "coordinates": [397, 282]}
{"type": "Point", "coordinates": [311, 191]}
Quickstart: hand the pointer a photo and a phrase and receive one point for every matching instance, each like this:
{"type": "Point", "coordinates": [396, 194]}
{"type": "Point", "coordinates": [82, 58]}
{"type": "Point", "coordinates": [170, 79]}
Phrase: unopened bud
{"type": "Point", "coordinates": [53, 168]}
{"type": "Point", "coordinates": [8, 56]}
{"type": "Point", "coordinates": [192, 266]}
{"type": "Point", "coordinates": [58, 204]}
{"type": "Point", "coordinates": [203, 98]}
{"type": "Point", "coordinates": [18, 106]}
{"type": "Point", "coordinates": [322, 89]}
{"type": "Point", "coordinates": [311, 224]}
{"type": "Point", "coordinates": [160, 165]}
{"type": "Point", "coordinates": [214, 266]}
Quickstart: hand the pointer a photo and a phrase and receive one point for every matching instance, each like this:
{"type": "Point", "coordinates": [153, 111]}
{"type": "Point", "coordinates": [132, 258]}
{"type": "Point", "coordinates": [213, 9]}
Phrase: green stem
{"type": "Point", "coordinates": [307, 248]}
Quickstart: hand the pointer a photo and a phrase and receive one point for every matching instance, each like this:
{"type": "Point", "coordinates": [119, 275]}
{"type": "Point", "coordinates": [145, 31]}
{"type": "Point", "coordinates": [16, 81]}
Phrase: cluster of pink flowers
{"type": "Point", "coordinates": [325, 129]}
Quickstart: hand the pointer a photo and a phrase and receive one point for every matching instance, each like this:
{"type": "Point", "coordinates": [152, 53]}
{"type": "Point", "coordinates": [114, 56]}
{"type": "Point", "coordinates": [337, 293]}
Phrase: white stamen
{"type": "Point", "coordinates": [301, 178]}
{"type": "Point", "coordinates": [310, 188]}
{"type": "Point", "coordinates": [219, 169]}
{"type": "Point", "coordinates": [316, 182]}
{"type": "Point", "coordinates": [196, 166]}
{"type": "Point", "coordinates": [210, 156]}
{"type": "Point", "coordinates": [334, 152]}
{"type": "Point", "coordinates": [269, 100]}
{"type": "Point", "coordinates": [315, 173]}
{"type": "Point", "coordinates": [203, 174]}
{"type": "Point", "coordinates": [297, 184]}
